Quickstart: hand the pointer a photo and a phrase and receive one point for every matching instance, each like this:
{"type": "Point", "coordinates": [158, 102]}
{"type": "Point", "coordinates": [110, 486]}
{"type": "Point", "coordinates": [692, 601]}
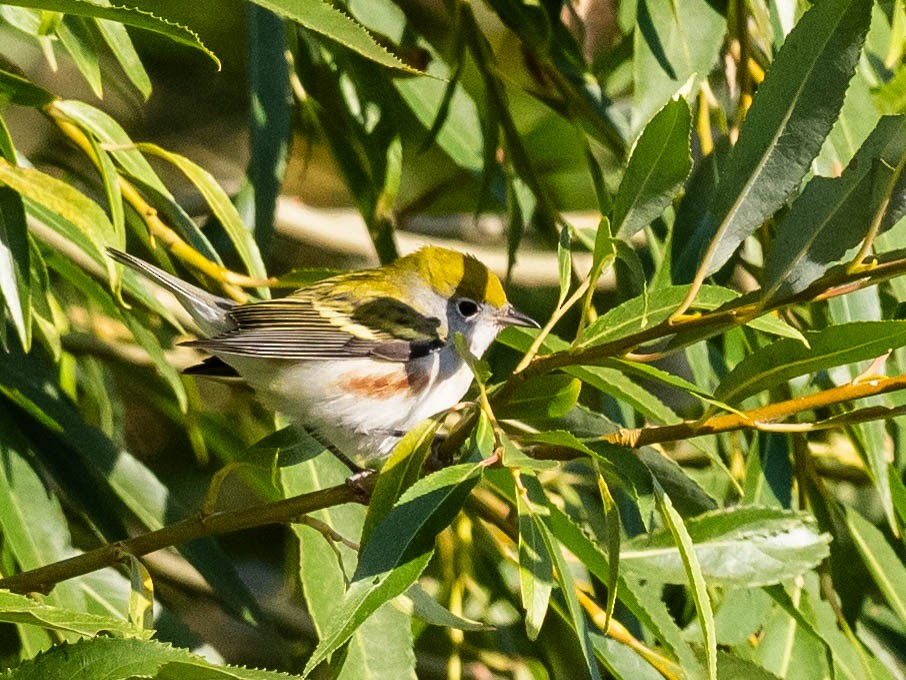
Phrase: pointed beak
{"type": "Point", "coordinates": [510, 316]}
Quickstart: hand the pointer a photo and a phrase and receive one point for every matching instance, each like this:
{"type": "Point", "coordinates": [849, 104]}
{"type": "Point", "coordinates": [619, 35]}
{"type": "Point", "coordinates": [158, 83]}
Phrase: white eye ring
{"type": "Point", "coordinates": [466, 307]}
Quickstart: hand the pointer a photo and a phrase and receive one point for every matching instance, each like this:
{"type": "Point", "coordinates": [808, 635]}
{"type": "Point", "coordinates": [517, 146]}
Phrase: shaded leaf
{"type": "Point", "coordinates": [115, 658]}
{"type": "Point", "coordinates": [883, 563]}
{"type": "Point", "coordinates": [17, 90]}
{"type": "Point", "coordinates": [834, 214]}
{"type": "Point", "coordinates": [672, 47]}
{"type": "Point", "coordinates": [785, 359]}
{"type": "Point", "coordinates": [548, 396]}
{"type": "Point", "coordinates": [15, 272]}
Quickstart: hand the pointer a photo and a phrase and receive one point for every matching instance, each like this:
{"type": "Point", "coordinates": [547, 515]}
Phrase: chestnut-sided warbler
{"type": "Point", "coordinates": [359, 358]}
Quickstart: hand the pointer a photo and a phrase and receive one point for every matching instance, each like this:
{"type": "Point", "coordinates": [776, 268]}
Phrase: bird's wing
{"type": "Point", "coordinates": [300, 327]}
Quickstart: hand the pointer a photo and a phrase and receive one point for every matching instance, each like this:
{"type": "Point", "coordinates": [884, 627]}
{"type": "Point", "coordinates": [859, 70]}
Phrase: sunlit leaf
{"type": "Point", "coordinates": [791, 114]}
{"type": "Point", "coordinates": [743, 547]}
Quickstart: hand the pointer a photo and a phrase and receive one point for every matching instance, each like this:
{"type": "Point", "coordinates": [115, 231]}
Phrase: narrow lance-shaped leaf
{"type": "Point", "coordinates": [119, 42]}
{"type": "Point", "coordinates": [400, 472]}
{"type": "Point", "coordinates": [792, 112]}
{"type": "Point", "coordinates": [15, 275]}
{"type": "Point", "coordinates": [536, 570]}
{"type": "Point", "coordinates": [542, 521]}
{"type": "Point", "coordinates": [21, 609]}
{"type": "Point", "coordinates": [322, 17]}
{"type": "Point", "coordinates": [18, 90]}
{"type": "Point", "coordinates": [694, 575]}
{"type": "Point", "coordinates": [834, 214]}
{"type": "Point", "coordinates": [116, 658]}
{"type": "Point", "coordinates": [658, 166]}
{"type": "Point", "coordinates": [671, 47]}
{"type": "Point", "coordinates": [220, 205]}
{"type": "Point", "coordinates": [785, 359]}
{"type": "Point", "coordinates": [76, 36]}
{"type": "Point", "coordinates": [883, 563]}
{"type": "Point", "coordinates": [398, 551]}
{"type": "Point", "coordinates": [125, 15]}
{"type": "Point", "coordinates": [23, 497]}
{"type": "Point", "coordinates": [61, 198]}
{"type": "Point", "coordinates": [269, 128]}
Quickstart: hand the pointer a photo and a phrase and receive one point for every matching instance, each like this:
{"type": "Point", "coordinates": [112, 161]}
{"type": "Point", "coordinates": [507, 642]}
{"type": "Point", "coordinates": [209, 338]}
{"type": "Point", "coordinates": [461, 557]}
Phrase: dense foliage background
{"type": "Point", "coordinates": [701, 454]}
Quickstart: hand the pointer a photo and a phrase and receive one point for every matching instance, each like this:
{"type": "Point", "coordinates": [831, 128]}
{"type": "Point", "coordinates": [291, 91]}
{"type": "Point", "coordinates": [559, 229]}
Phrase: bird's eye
{"type": "Point", "coordinates": [467, 308]}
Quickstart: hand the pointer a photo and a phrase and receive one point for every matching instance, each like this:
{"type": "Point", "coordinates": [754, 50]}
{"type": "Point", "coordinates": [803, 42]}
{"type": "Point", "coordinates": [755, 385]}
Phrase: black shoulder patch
{"type": "Point", "coordinates": [212, 367]}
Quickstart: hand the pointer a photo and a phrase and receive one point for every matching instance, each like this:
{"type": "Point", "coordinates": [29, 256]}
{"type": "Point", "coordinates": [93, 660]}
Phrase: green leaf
{"type": "Point", "coordinates": [269, 129]}
{"type": "Point", "coordinates": [322, 17]}
{"type": "Point", "coordinates": [15, 273]}
{"type": "Point", "coordinates": [111, 181]}
{"type": "Point", "coordinates": [62, 199]}
{"type": "Point", "coordinates": [109, 132]}
{"type": "Point", "coordinates": [834, 214]}
{"type": "Point", "coordinates": [883, 563]}
{"type": "Point", "coordinates": [18, 90]}
{"type": "Point", "coordinates": [125, 15]}
{"type": "Point", "coordinates": [429, 610]}
{"type": "Point", "coordinates": [401, 470]}
{"type": "Point", "coordinates": [536, 569]}
{"type": "Point", "coordinates": [671, 48]}
{"type": "Point", "coordinates": [622, 662]}
{"type": "Point", "coordinates": [742, 547]}
{"type": "Point", "coordinates": [567, 585]}
{"type": "Point", "coordinates": [693, 573]}
{"type": "Point", "coordinates": [898, 493]}
{"type": "Point", "coordinates": [23, 497]}
{"type": "Point", "coordinates": [220, 205]}
{"type": "Point", "coordinates": [75, 34]}
{"type": "Point", "coordinates": [564, 264]}
{"type": "Point", "coordinates": [399, 550]}
{"type": "Point", "coordinates": [119, 42]}
{"type": "Point", "coordinates": [655, 307]}
{"type": "Point", "coordinates": [25, 610]}
{"type": "Point", "coordinates": [548, 396]}
{"type": "Point", "coordinates": [385, 638]}
{"type": "Point", "coordinates": [115, 658]}
{"type": "Point", "coordinates": [615, 383]}
{"type": "Point", "coordinates": [651, 612]}
{"type": "Point", "coordinates": [658, 166]}
{"type": "Point", "coordinates": [791, 114]}
{"type": "Point", "coordinates": [786, 359]}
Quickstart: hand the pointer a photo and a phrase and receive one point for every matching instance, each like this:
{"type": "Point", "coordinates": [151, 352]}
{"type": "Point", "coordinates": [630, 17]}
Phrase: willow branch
{"type": "Point", "coordinates": [43, 579]}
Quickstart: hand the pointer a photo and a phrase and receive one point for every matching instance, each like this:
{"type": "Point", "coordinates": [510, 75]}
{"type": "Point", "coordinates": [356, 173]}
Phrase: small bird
{"type": "Point", "coordinates": [358, 358]}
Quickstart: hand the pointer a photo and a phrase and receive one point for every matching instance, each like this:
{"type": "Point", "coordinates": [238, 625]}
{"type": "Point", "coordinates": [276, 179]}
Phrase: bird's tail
{"type": "Point", "coordinates": [210, 312]}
